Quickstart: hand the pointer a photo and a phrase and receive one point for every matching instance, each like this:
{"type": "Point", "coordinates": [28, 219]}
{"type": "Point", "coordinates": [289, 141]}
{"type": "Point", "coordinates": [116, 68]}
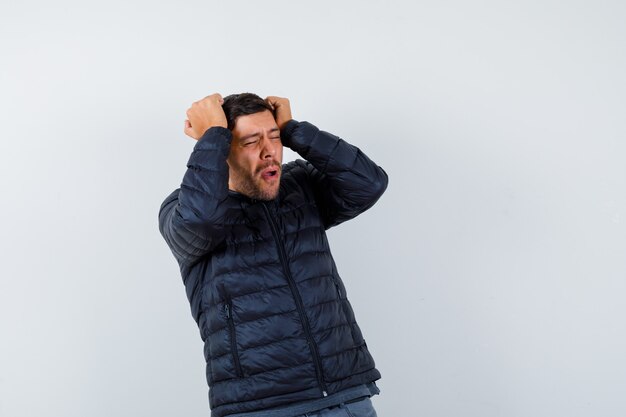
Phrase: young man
{"type": "Point", "coordinates": [280, 337]}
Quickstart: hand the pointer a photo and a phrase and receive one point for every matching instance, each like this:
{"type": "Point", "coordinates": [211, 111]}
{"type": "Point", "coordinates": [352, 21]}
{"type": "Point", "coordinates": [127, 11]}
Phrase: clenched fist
{"type": "Point", "coordinates": [282, 109]}
{"type": "Point", "coordinates": [204, 114]}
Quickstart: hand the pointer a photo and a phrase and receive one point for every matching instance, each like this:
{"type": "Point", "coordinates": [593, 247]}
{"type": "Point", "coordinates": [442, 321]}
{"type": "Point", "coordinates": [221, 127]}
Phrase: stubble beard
{"type": "Point", "coordinates": [252, 185]}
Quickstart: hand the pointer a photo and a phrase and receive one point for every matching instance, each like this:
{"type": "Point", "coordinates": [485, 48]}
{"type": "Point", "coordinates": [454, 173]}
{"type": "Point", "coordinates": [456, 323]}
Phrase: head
{"type": "Point", "coordinates": [256, 151]}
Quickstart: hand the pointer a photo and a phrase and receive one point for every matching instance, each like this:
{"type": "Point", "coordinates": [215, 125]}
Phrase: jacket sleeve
{"type": "Point", "coordinates": [191, 218]}
{"type": "Point", "coordinates": [345, 180]}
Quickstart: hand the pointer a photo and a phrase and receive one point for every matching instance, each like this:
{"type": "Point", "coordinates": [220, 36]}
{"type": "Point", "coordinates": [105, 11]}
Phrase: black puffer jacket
{"type": "Point", "coordinates": [263, 286]}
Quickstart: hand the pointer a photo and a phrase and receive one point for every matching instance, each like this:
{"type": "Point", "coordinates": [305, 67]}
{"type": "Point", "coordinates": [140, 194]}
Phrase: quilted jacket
{"type": "Point", "coordinates": [263, 287]}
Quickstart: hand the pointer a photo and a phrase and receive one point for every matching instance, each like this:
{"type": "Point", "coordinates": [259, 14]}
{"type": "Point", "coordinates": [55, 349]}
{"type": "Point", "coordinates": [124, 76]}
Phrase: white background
{"type": "Point", "coordinates": [489, 280]}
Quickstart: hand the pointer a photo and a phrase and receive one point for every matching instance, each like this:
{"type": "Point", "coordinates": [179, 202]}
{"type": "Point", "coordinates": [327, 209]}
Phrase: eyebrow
{"type": "Point", "coordinates": [275, 129]}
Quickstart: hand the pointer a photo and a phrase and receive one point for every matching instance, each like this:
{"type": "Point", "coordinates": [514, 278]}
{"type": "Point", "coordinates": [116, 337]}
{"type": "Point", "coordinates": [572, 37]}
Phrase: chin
{"type": "Point", "coordinates": [268, 194]}
{"type": "Point", "coordinates": [264, 191]}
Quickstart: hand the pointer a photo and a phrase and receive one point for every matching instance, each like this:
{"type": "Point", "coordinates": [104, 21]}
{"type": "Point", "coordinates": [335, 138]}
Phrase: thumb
{"type": "Point", "coordinates": [189, 130]}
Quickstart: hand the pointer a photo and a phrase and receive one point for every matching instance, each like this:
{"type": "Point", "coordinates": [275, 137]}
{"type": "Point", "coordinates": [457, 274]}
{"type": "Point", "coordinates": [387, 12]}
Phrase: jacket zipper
{"type": "Point", "coordinates": [298, 299]}
{"type": "Point", "coordinates": [233, 342]}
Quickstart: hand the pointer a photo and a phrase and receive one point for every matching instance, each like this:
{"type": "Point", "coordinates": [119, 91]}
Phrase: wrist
{"type": "Point", "coordinates": [288, 127]}
{"type": "Point", "coordinates": [214, 133]}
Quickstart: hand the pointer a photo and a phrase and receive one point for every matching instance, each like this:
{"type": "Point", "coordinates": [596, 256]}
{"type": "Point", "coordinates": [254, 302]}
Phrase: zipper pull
{"type": "Point", "coordinates": [324, 393]}
{"type": "Point", "coordinates": [227, 310]}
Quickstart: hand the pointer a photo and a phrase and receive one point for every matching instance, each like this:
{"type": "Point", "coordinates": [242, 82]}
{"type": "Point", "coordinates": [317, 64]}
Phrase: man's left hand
{"type": "Point", "coordinates": [282, 110]}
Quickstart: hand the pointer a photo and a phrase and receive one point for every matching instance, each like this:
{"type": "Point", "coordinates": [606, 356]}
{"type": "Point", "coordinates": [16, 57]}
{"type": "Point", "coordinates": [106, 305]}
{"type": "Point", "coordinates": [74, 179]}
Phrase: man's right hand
{"type": "Point", "coordinates": [204, 114]}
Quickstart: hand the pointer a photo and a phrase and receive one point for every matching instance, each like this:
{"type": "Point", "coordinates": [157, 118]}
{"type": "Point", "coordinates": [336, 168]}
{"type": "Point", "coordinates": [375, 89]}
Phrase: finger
{"type": "Point", "coordinates": [270, 101]}
{"type": "Point", "coordinates": [216, 97]}
{"type": "Point", "coordinates": [211, 98]}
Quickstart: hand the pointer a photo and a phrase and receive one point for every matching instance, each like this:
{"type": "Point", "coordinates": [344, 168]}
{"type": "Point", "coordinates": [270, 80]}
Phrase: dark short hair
{"type": "Point", "coordinates": [236, 105]}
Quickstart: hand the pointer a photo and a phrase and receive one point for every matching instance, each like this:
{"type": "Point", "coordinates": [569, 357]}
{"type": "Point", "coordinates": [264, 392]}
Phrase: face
{"type": "Point", "coordinates": [256, 156]}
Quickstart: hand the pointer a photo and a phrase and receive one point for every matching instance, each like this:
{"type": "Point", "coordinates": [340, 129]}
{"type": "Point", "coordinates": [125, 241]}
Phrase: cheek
{"type": "Point", "coordinates": [237, 160]}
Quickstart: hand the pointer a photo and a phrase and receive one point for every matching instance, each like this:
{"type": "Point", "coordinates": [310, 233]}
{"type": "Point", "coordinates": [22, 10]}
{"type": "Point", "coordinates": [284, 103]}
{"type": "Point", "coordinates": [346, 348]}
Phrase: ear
{"type": "Point", "coordinates": [230, 176]}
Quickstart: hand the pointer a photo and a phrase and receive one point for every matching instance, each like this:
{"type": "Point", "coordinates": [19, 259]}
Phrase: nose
{"type": "Point", "coordinates": [268, 150]}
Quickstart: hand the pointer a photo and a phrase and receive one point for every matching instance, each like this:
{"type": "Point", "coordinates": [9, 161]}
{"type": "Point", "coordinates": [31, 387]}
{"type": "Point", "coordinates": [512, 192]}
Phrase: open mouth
{"type": "Point", "coordinates": [270, 173]}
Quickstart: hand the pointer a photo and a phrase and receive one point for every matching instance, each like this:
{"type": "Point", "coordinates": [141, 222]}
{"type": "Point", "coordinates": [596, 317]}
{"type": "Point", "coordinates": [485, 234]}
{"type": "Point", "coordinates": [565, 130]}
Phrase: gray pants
{"type": "Point", "coordinates": [361, 408]}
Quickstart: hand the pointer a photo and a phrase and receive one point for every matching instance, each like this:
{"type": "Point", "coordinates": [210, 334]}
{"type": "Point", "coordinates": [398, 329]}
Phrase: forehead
{"type": "Point", "coordinates": [254, 123]}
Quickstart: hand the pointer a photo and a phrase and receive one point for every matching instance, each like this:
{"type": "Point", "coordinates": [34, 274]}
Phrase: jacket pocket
{"type": "Point", "coordinates": [337, 287]}
{"type": "Point", "coordinates": [228, 311]}
{"type": "Point", "coordinates": [342, 299]}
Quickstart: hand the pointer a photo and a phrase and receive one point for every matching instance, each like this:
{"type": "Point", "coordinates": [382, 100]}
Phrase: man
{"type": "Point", "coordinates": [280, 337]}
